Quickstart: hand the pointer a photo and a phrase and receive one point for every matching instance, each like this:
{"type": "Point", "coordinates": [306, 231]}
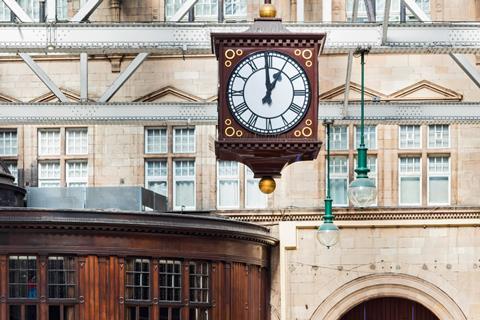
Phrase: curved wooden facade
{"type": "Point", "coordinates": [98, 265]}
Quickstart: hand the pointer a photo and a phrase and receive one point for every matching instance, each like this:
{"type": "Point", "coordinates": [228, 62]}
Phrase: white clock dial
{"type": "Point", "coordinates": [268, 93]}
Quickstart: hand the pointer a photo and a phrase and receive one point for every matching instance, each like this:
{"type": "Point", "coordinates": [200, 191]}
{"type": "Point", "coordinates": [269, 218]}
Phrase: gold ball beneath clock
{"type": "Point", "coordinates": [267, 185]}
{"type": "Point", "coordinates": [267, 10]}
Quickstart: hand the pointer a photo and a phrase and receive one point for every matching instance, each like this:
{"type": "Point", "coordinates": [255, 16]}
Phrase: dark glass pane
{"type": "Point", "coordinates": [163, 314]}
{"type": "Point", "coordinates": [14, 312]}
{"type": "Point", "coordinates": [131, 313]}
{"type": "Point", "coordinates": [30, 312]}
{"type": "Point", "coordinates": [176, 314]}
{"type": "Point", "coordinates": [144, 313]}
{"type": "Point", "coordinates": [54, 313]}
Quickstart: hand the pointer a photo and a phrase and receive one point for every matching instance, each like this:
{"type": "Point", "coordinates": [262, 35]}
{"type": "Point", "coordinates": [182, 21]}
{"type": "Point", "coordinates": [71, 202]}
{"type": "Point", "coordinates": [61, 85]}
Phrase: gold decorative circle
{"type": "Point", "coordinates": [307, 132]}
{"type": "Point", "coordinates": [239, 133]}
{"type": "Point", "coordinates": [230, 54]}
{"type": "Point", "coordinates": [307, 54]}
{"type": "Point", "coordinates": [228, 122]}
{"type": "Point", "coordinates": [308, 122]}
{"type": "Point", "coordinates": [297, 52]}
{"type": "Point", "coordinates": [297, 133]}
{"type": "Point", "coordinates": [228, 63]}
{"type": "Point", "coordinates": [239, 52]}
{"type": "Point", "coordinates": [308, 63]}
{"type": "Point", "coordinates": [229, 131]}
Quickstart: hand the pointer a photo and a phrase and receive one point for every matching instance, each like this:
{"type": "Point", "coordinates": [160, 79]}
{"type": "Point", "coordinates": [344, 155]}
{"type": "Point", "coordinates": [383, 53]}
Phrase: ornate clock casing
{"type": "Point", "coordinates": [268, 96]}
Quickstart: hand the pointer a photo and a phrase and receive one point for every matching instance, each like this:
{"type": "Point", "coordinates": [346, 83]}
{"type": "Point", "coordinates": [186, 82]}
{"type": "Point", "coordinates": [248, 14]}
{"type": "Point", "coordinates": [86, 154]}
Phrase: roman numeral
{"type": "Point", "coordinates": [268, 124]}
{"type": "Point", "coordinates": [241, 108]}
{"type": "Point", "coordinates": [295, 108]}
{"type": "Point", "coordinates": [299, 92]}
{"type": "Point", "coordinates": [295, 77]}
{"type": "Point", "coordinates": [252, 121]}
{"type": "Point", "coordinates": [285, 122]}
{"type": "Point", "coordinates": [236, 93]}
{"type": "Point", "coordinates": [237, 75]}
{"type": "Point", "coordinates": [252, 65]}
{"type": "Point", "coordinates": [270, 60]}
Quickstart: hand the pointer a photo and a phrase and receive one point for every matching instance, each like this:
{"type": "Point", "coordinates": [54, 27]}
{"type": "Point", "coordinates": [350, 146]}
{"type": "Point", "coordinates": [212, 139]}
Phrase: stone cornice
{"type": "Point", "coordinates": [351, 214]}
{"type": "Point", "coordinates": [206, 112]}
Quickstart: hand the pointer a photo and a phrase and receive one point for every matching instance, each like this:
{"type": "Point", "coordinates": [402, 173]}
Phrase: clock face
{"type": "Point", "coordinates": [268, 93]}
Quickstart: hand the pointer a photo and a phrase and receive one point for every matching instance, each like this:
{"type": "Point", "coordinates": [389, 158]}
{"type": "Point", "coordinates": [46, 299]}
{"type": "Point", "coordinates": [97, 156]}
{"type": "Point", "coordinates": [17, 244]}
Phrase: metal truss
{"type": "Point", "coordinates": [34, 113]}
{"type": "Point", "coordinates": [194, 38]}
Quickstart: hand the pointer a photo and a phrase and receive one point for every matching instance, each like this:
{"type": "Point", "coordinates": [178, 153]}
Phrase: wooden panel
{"type": "Point", "coordinates": [3, 287]}
{"type": "Point", "coordinates": [42, 290]}
{"type": "Point", "coordinates": [102, 293]}
{"type": "Point", "coordinates": [239, 291]}
{"type": "Point", "coordinates": [82, 285]}
{"type": "Point", "coordinates": [154, 290]}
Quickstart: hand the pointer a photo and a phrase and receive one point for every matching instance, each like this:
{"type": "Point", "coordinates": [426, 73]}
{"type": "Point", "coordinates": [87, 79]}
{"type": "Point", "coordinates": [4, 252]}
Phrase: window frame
{"type": "Point", "coordinates": [337, 176]}
{"type": "Point", "coordinates": [247, 178]}
{"type": "Point", "coordinates": [156, 178]}
{"type": "Point", "coordinates": [448, 175]}
{"type": "Point", "coordinates": [400, 137]}
{"type": "Point", "coordinates": [356, 142]}
{"type": "Point", "coordinates": [400, 175]}
{"type": "Point", "coordinates": [42, 180]}
{"type": "Point", "coordinates": [40, 152]}
{"type": "Point", "coordinates": [174, 145]}
{"type": "Point", "coordinates": [69, 180]}
{"type": "Point", "coordinates": [146, 145]}
{"type": "Point", "coordinates": [13, 132]}
{"type": "Point", "coordinates": [448, 133]}
{"type": "Point", "coordinates": [228, 178]}
{"type": "Point", "coordinates": [176, 179]}
{"type": "Point", "coordinates": [68, 131]}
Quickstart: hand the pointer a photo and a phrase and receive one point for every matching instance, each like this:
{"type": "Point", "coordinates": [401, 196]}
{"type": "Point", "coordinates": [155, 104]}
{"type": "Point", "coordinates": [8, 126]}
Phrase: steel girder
{"type": "Point", "coordinates": [38, 113]}
{"type": "Point", "coordinates": [194, 38]}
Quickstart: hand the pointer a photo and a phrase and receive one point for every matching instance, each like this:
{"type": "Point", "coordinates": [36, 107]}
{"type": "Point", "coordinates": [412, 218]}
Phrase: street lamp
{"type": "Point", "coordinates": [328, 232]}
{"type": "Point", "coordinates": [362, 191]}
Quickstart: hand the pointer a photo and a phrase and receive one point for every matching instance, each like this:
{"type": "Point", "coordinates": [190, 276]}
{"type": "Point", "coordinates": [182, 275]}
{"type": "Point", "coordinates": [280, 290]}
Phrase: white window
{"type": "Point", "coordinates": [49, 174]}
{"type": "Point", "coordinates": [372, 165]}
{"type": "Point", "coordinates": [62, 10]}
{"type": "Point", "coordinates": [77, 173]}
{"type": "Point", "coordinates": [254, 198]}
{"type": "Point", "coordinates": [49, 142]}
{"type": "Point", "coordinates": [5, 14]}
{"type": "Point", "coordinates": [438, 180]}
{"type": "Point", "coordinates": [228, 184]}
{"type": "Point", "coordinates": [339, 180]}
{"type": "Point", "coordinates": [206, 9]}
{"type": "Point", "coordinates": [156, 140]}
{"type": "Point", "coordinates": [184, 185]}
{"type": "Point", "coordinates": [184, 140]}
{"type": "Point", "coordinates": [8, 143]}
{"type": "Point", "coordinates": [409, 181]}
{"type": "Point", "coordinates": [156, 176]}
{"type": "Point", "coordinates": [12, 167]}
{"type": "Point", "coordinates": [370, 137]}
{"type": "Point", "coordinates": [171, 7]}
{"type": "Point", "coordinates": [410, 137]}
{"type": "Point", "coordinates": [339, 136]}
{"type": "Point", "coordinates": [77, 141]}
{"type": "Point", "coordinates": [235, 8]}
{"type": "Point", "coordinates": [438, 136]}
{"type": "Point", "coordinates": [31, 7]}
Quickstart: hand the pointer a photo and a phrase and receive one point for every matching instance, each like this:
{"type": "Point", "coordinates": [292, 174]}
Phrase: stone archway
{"type": "Point", "coordinates": [388, 285]}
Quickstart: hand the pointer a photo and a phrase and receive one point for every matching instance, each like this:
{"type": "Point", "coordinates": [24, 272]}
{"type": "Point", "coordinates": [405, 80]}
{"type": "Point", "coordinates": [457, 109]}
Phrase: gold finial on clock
{"type": "Point", "coordinates": [267, 10]}
{"type": "Point", "coordinates": [267, 185]}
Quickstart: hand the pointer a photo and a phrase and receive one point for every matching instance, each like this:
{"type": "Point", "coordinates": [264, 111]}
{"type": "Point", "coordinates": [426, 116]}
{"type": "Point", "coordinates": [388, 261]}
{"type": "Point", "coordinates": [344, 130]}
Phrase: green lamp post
{"type": "Point", "coordinates": [328, 232]}
{"type": "Point", "coordinates": [362, 191]}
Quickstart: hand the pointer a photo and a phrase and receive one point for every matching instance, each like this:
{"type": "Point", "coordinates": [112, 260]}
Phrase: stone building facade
{"type": "Point", "coordinates": [420, 241]}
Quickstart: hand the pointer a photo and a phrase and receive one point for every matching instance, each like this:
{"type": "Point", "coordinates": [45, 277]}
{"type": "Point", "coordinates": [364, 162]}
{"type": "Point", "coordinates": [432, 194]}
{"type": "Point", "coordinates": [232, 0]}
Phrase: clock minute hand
{"type": "Point", "coordinates": [267, 73]}
{"type": "Point", "coordinates": [276, 77]}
